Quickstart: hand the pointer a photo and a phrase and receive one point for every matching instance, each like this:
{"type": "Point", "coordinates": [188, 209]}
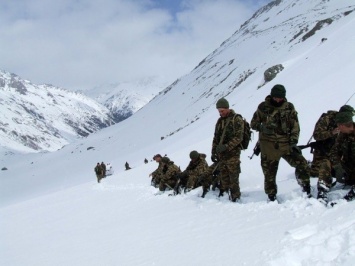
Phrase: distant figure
{"type": "Point", "coordinates": [127, 166]}
{"type": "Point", "coordinates": [145, 161]}
{"type": "Point", "coordinates": [98, 171]}
{"type": "Point", "coordinates": [109, 169]}
{"type": "Point", "coordinates": [103, 166]}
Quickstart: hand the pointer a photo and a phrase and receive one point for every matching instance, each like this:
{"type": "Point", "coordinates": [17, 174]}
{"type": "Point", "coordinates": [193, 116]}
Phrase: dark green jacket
{"type": "Point", "coordinates": [281, 122]}
{"type": "Point", "coordinates": [233, 135]}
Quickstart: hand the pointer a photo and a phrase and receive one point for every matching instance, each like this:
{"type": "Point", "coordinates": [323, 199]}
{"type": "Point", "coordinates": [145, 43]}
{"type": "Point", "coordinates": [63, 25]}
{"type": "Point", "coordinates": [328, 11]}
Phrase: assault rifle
{"type": "Point", "coordinates": [256, 150]}
{"type": "Point", "coordinates": [322, 146]}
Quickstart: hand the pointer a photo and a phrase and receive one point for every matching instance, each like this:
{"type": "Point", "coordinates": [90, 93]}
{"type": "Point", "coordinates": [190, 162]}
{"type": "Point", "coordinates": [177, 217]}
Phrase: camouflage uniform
{"type": "Point", "coordinates": [208, 178]}
{"type": "Point", "coordinates": [229, 160]}
{"type": "Point", "coordinates": [99, 172]}
{"type": "Point", "coordinates": [195, 169]}
{"type": "Point", "coordinates": [343, 153]}
{"type": "Point", "coordinates": [278, 134]}
{"type": "Point", "coordinates": [323, 134]}
{"type": "Point", "coordinates": [169, 174]}
{"type": "Point", "coordinates": [156, 175]}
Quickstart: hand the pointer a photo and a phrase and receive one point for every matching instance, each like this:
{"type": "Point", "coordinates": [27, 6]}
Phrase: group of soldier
{"type": "Point", "coordinates": [276, 121]}
{"type": "Point", "coordinates": [100, 171]}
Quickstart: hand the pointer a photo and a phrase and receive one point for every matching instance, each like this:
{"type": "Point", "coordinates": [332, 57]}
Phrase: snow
{"type": "Point", "coordinates": [53, 211]}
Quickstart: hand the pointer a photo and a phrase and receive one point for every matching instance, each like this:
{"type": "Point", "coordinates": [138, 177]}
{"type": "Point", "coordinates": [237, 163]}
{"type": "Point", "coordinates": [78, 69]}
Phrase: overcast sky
{"type": "Point", "coordinates": [84, 43]}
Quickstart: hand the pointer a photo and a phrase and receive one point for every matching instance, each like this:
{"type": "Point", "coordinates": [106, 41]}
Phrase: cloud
{"type": "Point", "coordinates": [84, 43]}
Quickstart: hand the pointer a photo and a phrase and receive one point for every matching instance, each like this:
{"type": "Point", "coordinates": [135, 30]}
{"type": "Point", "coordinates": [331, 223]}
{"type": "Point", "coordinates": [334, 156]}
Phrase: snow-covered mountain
{"type": "Point", "coordinates": [125, 98]}
{"type": "Point", "coordinates": [45, 117]}
{"type": "Point", "coordinates": [51, 204]}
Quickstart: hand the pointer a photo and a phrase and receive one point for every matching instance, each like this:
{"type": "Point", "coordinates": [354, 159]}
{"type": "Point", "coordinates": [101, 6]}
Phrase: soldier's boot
{"type": "Point", "coordinates": [221, 192]}
{"type": "Point", "coordinates": [322, 195]}
{"type": "Point", "coordinates": [204, 192]}
{"type": "Point", "coordinates": [307, 189]}
{"type": "Point", "coordinates": [235, 199]}
{"type": "Point", "coordinates": [351, 195]}
{"type": "Point", "coordinates": [272, 197]}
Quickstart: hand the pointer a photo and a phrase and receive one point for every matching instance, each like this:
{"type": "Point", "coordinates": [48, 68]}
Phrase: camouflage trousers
{"type": "Point", "coordinates": [270, 167]}
{"type": "Point", "coordinates": [166, 183]}
{"type": "Point", "coordinates": [325, 179]}
{"type": "Point", "coordinates": [229, 176]}
{"type": "Point", "coordinates": [192, 181]}
{"type": "Point", "coordinates": [317, 162]}
{"type": "Point", "coordinates": [206, 178]}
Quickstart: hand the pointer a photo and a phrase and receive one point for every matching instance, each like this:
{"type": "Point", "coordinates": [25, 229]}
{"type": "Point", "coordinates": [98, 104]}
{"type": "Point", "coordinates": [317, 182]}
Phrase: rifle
{"type": "Point", "coordinates": [318, 145]}
{"type": "Point", "coordinates": [256, 150]}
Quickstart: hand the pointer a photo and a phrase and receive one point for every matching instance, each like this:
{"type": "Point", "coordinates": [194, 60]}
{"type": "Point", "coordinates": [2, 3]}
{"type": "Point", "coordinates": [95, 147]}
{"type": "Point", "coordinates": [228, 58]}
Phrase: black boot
{"type": "Point", "coordinates": [351, 195]}
{"type": "Point", "coordinates": [272, 197]}
{"type": "Point", "coordinates": [235, 199]}
{"type": "Point", "coordinates": [307, 189]}
{"type": "Point", "coordinates": [205, 190]}
{"type": "Point", "coordinates": [221, 191]}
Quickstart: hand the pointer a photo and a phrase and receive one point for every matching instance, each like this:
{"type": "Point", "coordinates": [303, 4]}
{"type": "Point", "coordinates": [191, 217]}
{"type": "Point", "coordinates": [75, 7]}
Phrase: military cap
{"type": "Point", "coordinates": [278, 91]}
{"type": "Point", "coordinates": [343, 117]}
{"type": "Point", "coordinates": [222, 103]}
{"type": "Point", "coordinates": [194, 155]}
{"type": "Point", "coordinates": [347, 108]}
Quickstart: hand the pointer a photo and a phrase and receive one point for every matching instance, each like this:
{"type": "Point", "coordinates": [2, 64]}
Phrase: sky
{"type": "Point", "coordinates": [53, 211]}
{"type": "Point", "coordinates": [86, 43]}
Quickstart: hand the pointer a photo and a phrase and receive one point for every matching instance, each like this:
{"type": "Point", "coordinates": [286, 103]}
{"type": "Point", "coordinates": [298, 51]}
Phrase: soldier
{"type": "Point", "coordinates": [208, 178]}
{"type": "Point", "coordinates": [325, 133]}
{"type": "Point", "coordinates": [127, 166]}
{"type": "Point", "coordinates": [342, 154]}
{"type": "Point", "coordinates": [276, 121]}
{"type": "Point", "coordinates": [226, 148]}
{"type": "Point", "coordinates": [99, 172]}
{"type": "Point", "coordinates": [103, 166]}
{"type": "Point", "coordinates": [196, 167]}
{"type": "Point", "coordinates": [168, 175]}
{"type": "Point", "coordinates": [156, 175]}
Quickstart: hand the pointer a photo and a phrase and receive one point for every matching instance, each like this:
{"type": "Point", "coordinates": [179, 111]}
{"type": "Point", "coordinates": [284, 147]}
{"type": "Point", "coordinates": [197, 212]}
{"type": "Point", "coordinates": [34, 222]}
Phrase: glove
{"type": "Point", "coordinates": [214, 158]}
{"type": "Point", "coordinates": [339, 171]}
{"type": "Point", "coordinates": [295, 148]}
{"type": "Point", "coordinates": [221, 148]}
{"type": "Point", "coordinates": [266, 130]}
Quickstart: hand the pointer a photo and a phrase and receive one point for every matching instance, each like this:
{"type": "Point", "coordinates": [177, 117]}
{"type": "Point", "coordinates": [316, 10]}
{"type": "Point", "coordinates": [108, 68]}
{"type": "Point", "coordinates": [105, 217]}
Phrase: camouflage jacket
{"type": "Point", "coordinates": [233, 135]}
{"type": "Point", "coordinates": [343, 151]}
{"type": "Point", "coordinates": [169, 171]}
{"type": "Point", "coordinates": [197, 167]}
{"type": "Point", "coordinates": [323, 131]}
{"type": "Point", "coordinates": [158, 171]}
{"type": "Point", "coordinates": [281, 121]}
